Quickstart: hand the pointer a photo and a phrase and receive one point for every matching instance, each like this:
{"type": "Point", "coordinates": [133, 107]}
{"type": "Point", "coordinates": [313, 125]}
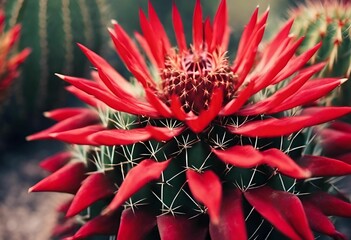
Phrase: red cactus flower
{"type": "Point", "coordinates": [9, 62]}
{"type": "Point", "coordinates": [200, 147]}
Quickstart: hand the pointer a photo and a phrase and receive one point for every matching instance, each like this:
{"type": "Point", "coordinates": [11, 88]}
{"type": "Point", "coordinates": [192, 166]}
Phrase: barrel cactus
{"type": "Point", "coordinates": [197, 146]}
{"type": "Point", "coordinates": [9, 60]}
{"type": "Point", "coordinates": [329, 22]}
{"type": "Point", "coordinates": [51, 29]}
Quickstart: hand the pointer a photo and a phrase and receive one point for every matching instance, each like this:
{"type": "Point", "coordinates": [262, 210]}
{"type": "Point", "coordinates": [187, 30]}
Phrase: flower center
{"type": "Point", "coordinates": [193, 76]}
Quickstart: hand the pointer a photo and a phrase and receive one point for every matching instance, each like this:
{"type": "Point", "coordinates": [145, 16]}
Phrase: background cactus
{"type": "Point", "coordinates": [51, 29]}
{"type": "Point", "coordinates": [197, 147]}
{"type": "Point", "coordinates": [328, 22]}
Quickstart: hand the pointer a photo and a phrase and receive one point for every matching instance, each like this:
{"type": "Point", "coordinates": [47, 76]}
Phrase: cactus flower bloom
{"type": "Point", "coordinates": [198, 146]}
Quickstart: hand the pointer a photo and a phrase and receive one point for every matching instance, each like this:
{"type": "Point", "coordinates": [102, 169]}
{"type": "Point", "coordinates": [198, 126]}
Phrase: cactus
{"type": "Point", "coordinates": [9, 61]}
{"type": "Point", "coordinates": [51, 29]}
{"type": "Point", "coordinates": [197, 146]}
{"type": "Point", "coordinates": [329, 22]}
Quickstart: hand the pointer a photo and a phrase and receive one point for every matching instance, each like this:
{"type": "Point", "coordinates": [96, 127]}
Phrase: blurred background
{"type": "Point", "coordinates": [51, 29]}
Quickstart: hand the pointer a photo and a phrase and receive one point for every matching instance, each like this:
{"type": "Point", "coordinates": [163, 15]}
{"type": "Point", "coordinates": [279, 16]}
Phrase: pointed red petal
{"type": "Point", "coordinates": [67, 179]}
{"type": "Point", "coordinates": [219, 25]}
{"type": "Point", "coordinates": [199, 123]}
{"type": "Point", "coordinates": [178, 28]}
{"type": "Point", "coordinates": [78, 136]}
{"type": "Point", "coordinates": [231, 224]}
{"type": "Point", "coordinates": [100, 225]}
{"type": "Point", "coordinates": [134, 106]}
{"type": "Point", "coordinates": [282, 209]}
{"type": "Point", "coordinates": [177, 108]}
{"type": "Point", "coordinates": [135, 225]}
{"type": "Point", "coordinates": [95, 187]}
{"type": "Point", "coordinates": [276, 158]}
{"type": "Point", "coordinates": [83, 96]}
{"type": "Point", "coordinates": [146, 171]}
{"type": "Point", "coordinates": [335, 142]}
{"type": "Point", "coordinates": [208, 31]}
{"type": "Point", "coordinates": [158, 27]}
{"type": "Point", "coordinates": [125, 137]}
{"type": "Point", "coordinates": [197, 26]}
{"type": "Point", "coordinates": [279, 96]}
{"type": "Point", "coordinates": [284, 126]}
{"type": "Point", "coordinates": [241, 156]}
{"type": "Point", "coordinates": [308, 94]}
{"type": "Point", "coordinates": [206, 188]}
{"type": "Point", "coordinates": [152, 39]}
{"type": "Point", "coordinates": [297, 63]}
{"type": "Point", "coordinates": [180, 227]}
{"type": "Point", "coordinates": [164, 133]}
{"type": "Point", "coordinates": [64, 113]}
{"type": "Point", "coordinates": [321, 223]}
{"type": "Point", "coordinates": [160, 106]}
{"type": "Point", "coordinates": [323, 166]}
{"type": "Point", "coordinates": [119, 83]}
{"type": "Point", "coordinates": [234, 105]}
{"type": "Point", "coordinates": [329, 205]}
{"type": "Point", "coordinates": [74, 122]}
{"type": "Point", "coordinates": [245, 39]}
{"type": "Point", "coordinates": [145, 46]}
{"type": "Point", "coordinates": [55, 162]}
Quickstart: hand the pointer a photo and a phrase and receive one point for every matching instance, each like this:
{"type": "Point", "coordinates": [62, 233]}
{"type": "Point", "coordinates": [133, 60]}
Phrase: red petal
{"type": "Point", "coordinates": [145, 46]}
{"type": "Point", "coordinates": [323, 166]}
{"type": "Point", "coordinates": [64, 113]}
{"type": "Point", "coordinates": [208, 31]}
{"type": "Point", "coordinates": [245, 39]}
{"type": "Point", "coordinates": [180, 227]}
{"type": "Point", "coordinates": [308, 94]}
{"type": "Point", "coordinates": [241, 156]}
{"type": "Point", "coordinates": [100, 225]}
{"type": "Point", "coordinates": [329, 205]}
{"type": "Point", "coordinates": [152, 39]}
{"type": "Point", "coordinates": [158, 28]}
{"type": "Point", "coordinates": [131, 57]}
{"type": "Point", "coordinates": [178, 28]}
{"type": "Point", "coordinates": [83, 96]}
{"type": "Point", "coordinates": [135, 107]}
{"type": "Point", "coordinates": [276, 158]}
{"type": "Point", "coordinates": [119, 83]}
{"type": "Point", "coordinates": [67, 179]}
{"type": "Point", "coordinates": [219, 25]}
{"type": "Point", "coordinates": [95, 187]}
{"type": "Point", "coordinates": [177, 108]}
{"type": "Point", "coordinates": [125, 137]}
{"type": "Point", "coordinates": [297, 63]}
{"type": "Point", "coordinates": [206, 188]}
{"type": "Point", "coordinates": [273, 69]}
{"type": "Point", "coordinates": [231, 224]}
{"type": "Point", "coordinates": [135, 225]}
{"type": "Point", "coordinates": [335, 142]}
{"type": "Point", "coordinates": [284, 126]}
{"type": "Point", "coordinates": [78, 136]}
{"type": "Point", "coordinates": [320, 223]}
{"type": "Point", "coordinates": [279, 96]}
{"type": "Point", "coordinates": [146, 171]}
{"type": "Point", "coordinates": [160, 106]}
{"type": "Point", "coordinates": [234, 105]}
{"type": "Point", "coordinates": [197, 26]}
{"type": "Point", "coordinates": [74, 122]}
{"type": "Point", "coordinates": [199, 123]}
{"type": "Point", "coordinates": [282, 209]}
{"type": "Point", "coordinates": [55, 162]}
{"type": "Point", "coordinates": [164, 133]}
